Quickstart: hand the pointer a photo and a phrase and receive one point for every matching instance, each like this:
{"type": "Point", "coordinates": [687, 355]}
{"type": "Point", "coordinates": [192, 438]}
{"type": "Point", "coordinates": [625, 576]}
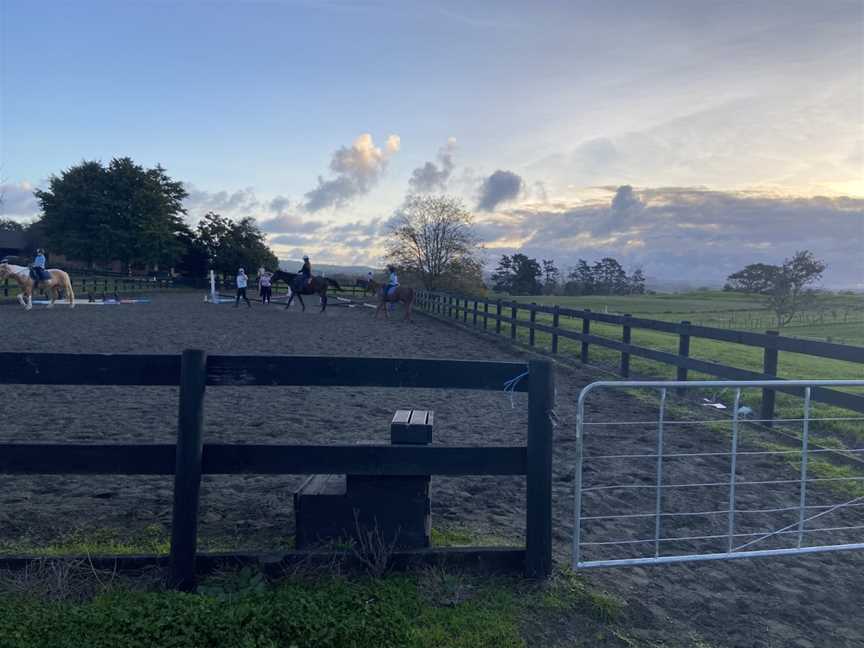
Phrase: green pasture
{"type": "Point", "coordinates": [839, 318]}
{"type": "Point", "coordinates": [699, 308]}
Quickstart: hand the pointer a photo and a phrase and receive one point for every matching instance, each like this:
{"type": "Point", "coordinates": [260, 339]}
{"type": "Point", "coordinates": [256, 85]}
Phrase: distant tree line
{"type": "Point", "coordinates": [99, 214]}
{"type": "Point", "coordinates": [519, 274]}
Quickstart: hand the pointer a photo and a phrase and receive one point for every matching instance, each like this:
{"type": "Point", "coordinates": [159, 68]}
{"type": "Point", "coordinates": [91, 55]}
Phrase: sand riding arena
{"type": "Point", "coordinates": [790, 601]}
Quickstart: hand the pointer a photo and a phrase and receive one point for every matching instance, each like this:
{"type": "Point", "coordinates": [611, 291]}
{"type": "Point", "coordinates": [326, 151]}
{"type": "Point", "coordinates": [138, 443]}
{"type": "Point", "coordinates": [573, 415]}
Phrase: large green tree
{"type": "Point", "coordinates": [518, 275]}
{"type": "Point", "coordinates": [121, 211]}
{"type": "Point", "coordinates": [228, 245]}
{"type": "Point", "coordinates": [785, 288]}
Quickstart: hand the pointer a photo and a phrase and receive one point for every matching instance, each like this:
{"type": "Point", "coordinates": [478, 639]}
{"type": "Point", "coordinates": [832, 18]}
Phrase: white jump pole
{"type": "Point", "coordinates": [214, 298]}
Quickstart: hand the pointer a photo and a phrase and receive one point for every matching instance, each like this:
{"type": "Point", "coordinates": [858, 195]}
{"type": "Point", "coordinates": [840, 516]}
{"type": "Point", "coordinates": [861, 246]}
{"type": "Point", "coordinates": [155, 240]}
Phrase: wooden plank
{"type": "Point", "coordinates": [683, 352]}
{"type": "Point", "coordinates": [361, 372]}
{"type": "Point", "coordinates": [769, 368]}
{"type": "Point", "coordinates": [418, 417]}
{"type": "Point", "coordinates": [187, 477]}
{"type": "Point", "coordinates": [538, 537]}
{"type": "Point", "coordinates": [625, 357]}
{"type": "Point", "coordinates": [555, 321]}
{"type": "Point", "coordinates": [401, 417]}
{"type": "Point", "coordinates": [86, 459]}
{"type": "Point", "coordinates": [239, 459]}
{"type": "Point", "coordinates": [533, 317]}
{"type": "Point", "coordinates": [586, 331]}
{"type": "Point", "coordinates": [88, 369]}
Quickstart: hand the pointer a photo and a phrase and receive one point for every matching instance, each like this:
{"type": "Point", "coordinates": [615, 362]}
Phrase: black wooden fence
{"type": "Point", "coordinates": [501, 314]}
{"type": "Point", "coordinates": [190, 457]}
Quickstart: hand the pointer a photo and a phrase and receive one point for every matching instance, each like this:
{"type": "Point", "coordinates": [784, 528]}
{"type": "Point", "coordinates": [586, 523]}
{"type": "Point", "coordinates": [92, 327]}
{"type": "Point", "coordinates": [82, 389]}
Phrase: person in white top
{"type": "Point", "coordinates": [265, 287]}
{"type": "Point", "coordinates": [242, 282]}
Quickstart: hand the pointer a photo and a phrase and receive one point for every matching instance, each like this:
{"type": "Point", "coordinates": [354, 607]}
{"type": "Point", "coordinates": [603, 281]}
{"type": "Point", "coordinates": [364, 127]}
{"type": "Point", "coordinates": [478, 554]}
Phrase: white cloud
{"type": "Point", "coordinates": [17, 201]}
{"type": "Point", "coordinates": [357, 169]}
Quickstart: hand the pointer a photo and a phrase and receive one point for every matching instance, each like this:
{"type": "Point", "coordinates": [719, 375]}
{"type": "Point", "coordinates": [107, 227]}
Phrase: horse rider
{"type": "Point", "coordinates": [306, 272]}
{"type": "Point", "coordinates": [37, 270]}
{"type": "Point", "coordinates": [392, 280]}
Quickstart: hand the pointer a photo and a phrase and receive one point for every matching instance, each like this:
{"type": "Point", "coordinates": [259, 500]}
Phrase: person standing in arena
{"type": "Point", "coordinates": [242, 282]}
{"type": "Point", "coordinates": [265, 286]}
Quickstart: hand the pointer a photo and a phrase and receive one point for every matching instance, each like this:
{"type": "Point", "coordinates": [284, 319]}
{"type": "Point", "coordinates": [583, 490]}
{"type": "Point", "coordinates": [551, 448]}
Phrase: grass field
{"type": "Point", "coordinates": [722, 310]}
{"type": "Point", "coordinates": [837, 318]}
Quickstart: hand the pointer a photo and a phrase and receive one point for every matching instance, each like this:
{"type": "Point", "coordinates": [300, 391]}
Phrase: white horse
{"type": "Point", "coordinates": [59, 279]}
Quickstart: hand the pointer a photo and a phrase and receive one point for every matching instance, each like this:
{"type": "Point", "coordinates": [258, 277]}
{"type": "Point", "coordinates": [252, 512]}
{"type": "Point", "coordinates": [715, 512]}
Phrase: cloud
{"type": "Point", "coordinates": [292, 223]}
{"type": "Point", "coordinates": [17, 201]}
{"type": "Point", "coordinates": [500, 187]}
{"type": "Point", "coordinates": [688, 233]}
{"type": "Point", "coordinates": [433, 177]}
{"type": "Point", "coordinates": [357, 169]}
{"type": "Point", "coordinates": [199, 202]}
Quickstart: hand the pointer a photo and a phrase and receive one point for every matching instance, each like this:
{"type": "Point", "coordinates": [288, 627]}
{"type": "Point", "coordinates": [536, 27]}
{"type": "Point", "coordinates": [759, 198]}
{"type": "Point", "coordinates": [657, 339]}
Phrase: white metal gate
{"type": "Point", "coordinates": [718, 487]}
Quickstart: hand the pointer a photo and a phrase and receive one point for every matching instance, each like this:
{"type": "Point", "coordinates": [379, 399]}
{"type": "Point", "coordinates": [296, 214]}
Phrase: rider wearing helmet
{"type": "Point", "coordinates": [37, 270]}
{"type": "Point", "coordinates": [306, 271]}
{"type": "Point", "coordinates": [392, 280]}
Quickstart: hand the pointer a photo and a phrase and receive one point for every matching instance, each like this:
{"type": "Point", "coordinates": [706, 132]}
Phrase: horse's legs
{"type": "Point", "coordinates": [29, 305]}
{"type": "Point", "coordinates": [324, 301]}
{"type": "Point", "coordinates": [302, 303]}
{"type": "Point", "coordinates": [290, 299]}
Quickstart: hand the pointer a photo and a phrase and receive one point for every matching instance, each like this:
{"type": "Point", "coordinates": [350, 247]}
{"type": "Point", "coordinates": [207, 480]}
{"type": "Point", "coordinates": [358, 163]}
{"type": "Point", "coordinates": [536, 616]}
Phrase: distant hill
{"type": "Point", "coordinates": [329, 269]}
{"type": "Point", "coordinates": [680, 285]}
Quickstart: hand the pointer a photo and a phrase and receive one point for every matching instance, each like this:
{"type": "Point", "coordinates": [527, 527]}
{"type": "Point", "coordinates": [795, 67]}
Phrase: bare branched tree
{"type": "Point", "coordinates": [431, 237]}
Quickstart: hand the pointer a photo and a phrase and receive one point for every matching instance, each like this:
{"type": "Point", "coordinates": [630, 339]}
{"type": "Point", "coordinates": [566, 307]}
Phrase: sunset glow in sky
{"type": "Point", "coordinates": [686, 138]}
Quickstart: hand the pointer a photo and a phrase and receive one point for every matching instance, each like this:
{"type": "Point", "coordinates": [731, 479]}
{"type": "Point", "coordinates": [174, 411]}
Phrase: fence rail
{"type": "Point", "coordinates": [459, 308]}
{"type": "Point", "coordinates": [190, 457]}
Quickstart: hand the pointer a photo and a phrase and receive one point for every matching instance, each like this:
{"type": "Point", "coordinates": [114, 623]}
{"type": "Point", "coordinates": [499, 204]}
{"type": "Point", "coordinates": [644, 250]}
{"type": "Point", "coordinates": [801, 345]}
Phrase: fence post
{"type": "Point", "coordinates": [683, 352]}
{"type": "Point", "coordinates": [485, 315]}
{"type": "Point", "coordinates": [538, 534]}
{"type": "Point", "coordinates": [555, 318]}
{"type": "Point", "coordinates": [465, 312]}
{"type": "Point", "coordinates": [498, 320]}
{"type": "Point", "coordinates": [533, 318]}
{"type": "Point", "coordinates": [586, 330]}
{"type": "Point", "coordinates": [474, 317]}
{"type": "Point", "coordinates": [187, 476]}
{"type": "Point", "coordinates": [769, 366]}
{"type": "Point", "coordinates": [6, 287]}
{"type": "Point", "coordinates": [449, 306]}
{"type": "Point", "coordinates": [514, 312]}
{"type": "Point", "coordinates": [625, 356]}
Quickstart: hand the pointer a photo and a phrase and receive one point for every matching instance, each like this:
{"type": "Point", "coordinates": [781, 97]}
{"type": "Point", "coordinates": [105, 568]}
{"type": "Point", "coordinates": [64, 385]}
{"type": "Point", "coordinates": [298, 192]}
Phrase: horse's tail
{"type": "Point", "coordinates": [334, 283]}
{"type": "Point", "coordinates": [67, 288]}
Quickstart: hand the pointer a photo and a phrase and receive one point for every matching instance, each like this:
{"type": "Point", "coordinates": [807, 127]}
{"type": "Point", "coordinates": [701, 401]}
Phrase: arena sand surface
{"type": "Point", "coordinates": [813, 600]}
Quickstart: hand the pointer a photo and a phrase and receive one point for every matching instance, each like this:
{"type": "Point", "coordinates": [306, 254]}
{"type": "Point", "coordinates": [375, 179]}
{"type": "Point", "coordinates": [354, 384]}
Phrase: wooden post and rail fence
{"type": "Point", "coordinates": [192, 456]}
{"type": "Point", "coordinates": [770, 342]}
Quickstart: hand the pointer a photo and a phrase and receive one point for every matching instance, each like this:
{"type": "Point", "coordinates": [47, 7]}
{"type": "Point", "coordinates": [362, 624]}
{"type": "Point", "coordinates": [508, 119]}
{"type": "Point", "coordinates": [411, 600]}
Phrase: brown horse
{"type": "Point", "coordinates": [59, 280]}
{"type": "Point", "coordinates": [402, 294]}
{"type": "Point", "coordinates": [318, 286]}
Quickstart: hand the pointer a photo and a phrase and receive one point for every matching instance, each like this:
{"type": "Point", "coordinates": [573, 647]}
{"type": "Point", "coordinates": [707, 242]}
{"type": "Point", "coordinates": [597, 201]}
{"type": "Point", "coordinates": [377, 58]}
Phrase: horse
{"type": "Point", "coordinates": [58, 280]}
{"type": "Point", "coordinates": [402, 294]}
{"type": "Point", "coordinates": [318, 286]}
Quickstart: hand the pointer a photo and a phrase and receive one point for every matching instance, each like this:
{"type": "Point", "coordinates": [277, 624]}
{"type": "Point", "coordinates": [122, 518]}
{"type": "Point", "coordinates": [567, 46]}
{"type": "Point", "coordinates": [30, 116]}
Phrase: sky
{"type": "Point", "coordinates": [686, 138]}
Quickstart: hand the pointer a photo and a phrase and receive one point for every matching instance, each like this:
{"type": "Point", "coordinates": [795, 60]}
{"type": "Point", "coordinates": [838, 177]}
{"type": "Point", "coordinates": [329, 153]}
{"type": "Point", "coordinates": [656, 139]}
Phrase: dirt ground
{"type": "Point", "coordinates": [812, 600]}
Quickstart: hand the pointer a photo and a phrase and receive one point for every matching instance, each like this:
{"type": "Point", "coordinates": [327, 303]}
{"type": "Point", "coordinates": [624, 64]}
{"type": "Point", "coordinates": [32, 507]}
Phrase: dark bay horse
{"type": "Point", "coordinates": [404, 294]}
{"type": "Point", "coordinates": [318, 286]}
